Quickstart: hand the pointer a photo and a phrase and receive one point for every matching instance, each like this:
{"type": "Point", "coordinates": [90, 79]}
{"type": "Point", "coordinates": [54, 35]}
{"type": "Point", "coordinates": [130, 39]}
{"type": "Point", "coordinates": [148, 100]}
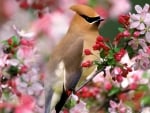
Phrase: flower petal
{"type": "Point", "coordinates": [147, 36]}
{"type": "Point", "coordinates": [142, 32]}
{"type": "Point", "coordinates": [147, 19]}
{"type": "Point", "coordinates": [141, 27]}
{"type": "Point", "coordinates": [135, 17]}
{"type": "Point", "coordinates": [113, 104]}
{"type": "Point", "coordinates": [146, 8]}
{"type": "Point", "coordinates": [138, 9]}
{"type": "Point", "coordinates": [134, 24]}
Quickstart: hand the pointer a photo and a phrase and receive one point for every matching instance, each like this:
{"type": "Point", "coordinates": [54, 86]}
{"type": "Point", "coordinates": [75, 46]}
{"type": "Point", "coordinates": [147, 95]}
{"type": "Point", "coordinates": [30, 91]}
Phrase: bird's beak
{"type": "Point", "coordinates": [102, 19]}
{"type": "Point", "coordinates": [99, 20]}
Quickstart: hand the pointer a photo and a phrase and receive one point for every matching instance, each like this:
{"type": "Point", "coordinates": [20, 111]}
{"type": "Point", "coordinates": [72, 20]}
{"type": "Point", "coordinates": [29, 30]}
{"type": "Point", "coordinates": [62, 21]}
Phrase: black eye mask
{"type": "Point", "coordinates": [91, 19]}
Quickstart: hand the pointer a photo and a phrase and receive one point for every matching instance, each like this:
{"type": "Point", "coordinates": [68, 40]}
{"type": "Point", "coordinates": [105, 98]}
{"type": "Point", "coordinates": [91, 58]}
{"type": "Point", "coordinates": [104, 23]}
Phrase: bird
{"type": "Point", "coordinates": [63, 70]}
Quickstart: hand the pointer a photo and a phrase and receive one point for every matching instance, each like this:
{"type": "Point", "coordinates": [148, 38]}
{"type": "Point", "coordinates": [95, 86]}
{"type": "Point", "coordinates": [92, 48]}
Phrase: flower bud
{"type": "Point", "coordinates": [87, 63]}
{"type": "Point", "coordinates": [87, 52]}
{"type": "Point", "coordinates": [136, 34]}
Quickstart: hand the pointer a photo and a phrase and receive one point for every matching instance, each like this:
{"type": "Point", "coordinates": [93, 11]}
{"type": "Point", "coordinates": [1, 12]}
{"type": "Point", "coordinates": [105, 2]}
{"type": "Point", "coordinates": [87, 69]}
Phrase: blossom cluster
{"type": "Point", "coordinates": [21, 84]}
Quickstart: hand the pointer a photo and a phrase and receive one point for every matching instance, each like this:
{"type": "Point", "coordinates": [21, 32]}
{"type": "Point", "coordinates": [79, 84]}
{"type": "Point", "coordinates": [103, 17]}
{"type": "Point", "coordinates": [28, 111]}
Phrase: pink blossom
{"type": "Point", "coordinates": [134, 44]}
{"type": "Point", "coordinates": [147, 35]}
{"type": "Point", "coordinates": [126, 33]}
{"type": "Point", "coordinates": [118, 107]}
{"type": "Point", "coordinates": [22, 33]}
{"type": "Point", "coordinates": [82, 1]}
{"type": "Point", "coordinates": [99, 78]}
{"type": "Point", "coordinates": [41, 24]}
{"type": "Point", "coordinates": [27, 104]}
{"type": "Point", "coordinates": [79, 108]}
{"type": "Point", "coordinates": [143, 44]}
{"type": "Point", "coordinates": [102, 11]}
{"type": "Point", "coordinates": [141, 19]}
{"type": "Point", "coordinates": [145, 109]}
{"type": "Point", "coordinates": [27, 53]}
{"type": "Point", "coordinates": [116, 71]}
{"type": "Point", "coordinates": [136, 34]}
{"type": "Point", "coordinates": [26, 49]}
{"type": "Point", "coordinates": [29, 83]}
{"type": "Point", "coordinates": [7, 10]}
{"type": "Point", "coordinates": [137, 21]}
{"type": "Point", "coordinates": [119, 7]}
{"type": "Point", "coordinates": [139, 9]}
{"type": "Point", "coordinates": [142, 60]}
{"type": "Point", "coordinates": [108, 85]}
{"type": "Point", "coordinates": [54, 25]}
{"type": "Point", "coordinates": [3, 60]}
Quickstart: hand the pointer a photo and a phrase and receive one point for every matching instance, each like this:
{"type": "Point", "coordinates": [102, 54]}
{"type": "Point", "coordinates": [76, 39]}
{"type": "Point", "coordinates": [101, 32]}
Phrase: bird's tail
{"type": "Point", "coordinates": [62, 101]}
{"type": "Point", "coordinates": [48, 97]}
{"type": "Point", "coordinates": [59, 105]}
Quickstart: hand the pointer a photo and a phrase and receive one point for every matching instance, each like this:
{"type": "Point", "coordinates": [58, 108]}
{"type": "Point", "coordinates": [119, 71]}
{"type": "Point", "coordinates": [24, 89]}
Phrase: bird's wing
{"type": "Point", "coordinates": [72, 61]}
{"type": "Point", "coordinates": [72, 70]}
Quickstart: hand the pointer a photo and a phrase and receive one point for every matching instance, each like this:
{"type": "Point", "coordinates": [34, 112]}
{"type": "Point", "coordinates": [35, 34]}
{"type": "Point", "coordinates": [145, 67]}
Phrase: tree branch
{"type": "Point", "coordinates": [87, 81]}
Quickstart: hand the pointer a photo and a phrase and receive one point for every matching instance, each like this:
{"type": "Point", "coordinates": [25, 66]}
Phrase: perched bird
{"type": "Point", "coordinates": [64, 67]}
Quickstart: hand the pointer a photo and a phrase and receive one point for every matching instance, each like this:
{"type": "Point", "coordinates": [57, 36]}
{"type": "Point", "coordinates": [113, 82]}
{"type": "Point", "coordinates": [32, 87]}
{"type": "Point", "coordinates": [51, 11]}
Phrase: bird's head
{"type": "Point", "coordinates": [85, 16]}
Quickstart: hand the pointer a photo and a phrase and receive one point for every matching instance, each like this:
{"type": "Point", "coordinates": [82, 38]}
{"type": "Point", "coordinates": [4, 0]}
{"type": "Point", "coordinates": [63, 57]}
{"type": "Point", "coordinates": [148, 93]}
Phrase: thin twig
{"type": "Point", "coordinates": [87, 81]}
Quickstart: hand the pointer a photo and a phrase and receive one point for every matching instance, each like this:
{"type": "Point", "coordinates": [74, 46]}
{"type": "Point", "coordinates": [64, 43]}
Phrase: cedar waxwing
{"type": "Point", "coordinates": [64, 67]}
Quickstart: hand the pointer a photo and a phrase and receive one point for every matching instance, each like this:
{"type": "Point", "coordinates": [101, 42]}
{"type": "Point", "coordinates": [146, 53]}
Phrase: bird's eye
{"type": "Point", "coordinates": [87, 19]}
{"type": "Point", "coordinates": [92, 19]}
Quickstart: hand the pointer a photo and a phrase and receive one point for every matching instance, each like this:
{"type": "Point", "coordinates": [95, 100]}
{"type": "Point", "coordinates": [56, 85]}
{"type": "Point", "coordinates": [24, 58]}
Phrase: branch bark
{"type": "Point", "coordinates": [90, 79]}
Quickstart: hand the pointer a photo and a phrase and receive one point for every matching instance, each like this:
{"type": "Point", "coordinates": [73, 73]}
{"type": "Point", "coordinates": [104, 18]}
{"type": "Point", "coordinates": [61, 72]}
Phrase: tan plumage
{"type": "Point", "coordinates": [63, 69]}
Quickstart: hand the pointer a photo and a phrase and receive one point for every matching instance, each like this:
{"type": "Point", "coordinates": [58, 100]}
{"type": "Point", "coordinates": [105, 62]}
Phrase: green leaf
{"type": "Point", "coordinates": [6, 93]}
{"type": "Point", "coordinates": [99, 66]}
{"type": "Point", "coordinates": [113, 91]}
{"type": "Point", "coordinates": [15, 40]}
{"type": "Point", "coordinates": [4, 42]}
{"type": "Point", "coordinates": [110, 54]}
{"type": "Point", "coordinates": [93, 2]}
{"type": "Point", "coordinates": [13, 71]}
{"type": "Point", "coordinates": [145, 75]}
{"type": "Point", "coordinates": [130, 103]}
{"type": "Point", "coordinates": [145, 101]}
{"type": "Point", "coordinates": [116, 49]}
{"type": "Point", "coordinates": [130, 51]}
{"type": "Point", "coordinates": [70, 103]}
{"type": "Point", "coordinates": [143, 87]}
{"type": "Point", "coordinates": [111, 62]}
{"type": "Point", "coordinates": [102, 54]}
{"type": "Point", "coordinates": [120, 29]}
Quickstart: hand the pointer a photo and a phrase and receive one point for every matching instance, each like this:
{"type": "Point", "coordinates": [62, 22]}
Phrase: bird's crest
{"type": "Point", "coordinates": [84, 10]}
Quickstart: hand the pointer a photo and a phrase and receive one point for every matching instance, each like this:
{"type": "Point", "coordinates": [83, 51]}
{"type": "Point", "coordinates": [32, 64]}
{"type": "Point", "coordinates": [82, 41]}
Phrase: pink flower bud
{"type": "Point", "coordinates": [136, 34]}
{"type": "Point", "coordinates": [133, 86]}
{"type": "Point", "coordinates": [126, 33]}
{"type": "Point", "coordinates": [24, 69]}
{"type": "Point", "coordinates": [119, 78]}
{"type": "Point", "coordinates": [108, 86]}
{"type": "Point", "coordinates": [119, 54]}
